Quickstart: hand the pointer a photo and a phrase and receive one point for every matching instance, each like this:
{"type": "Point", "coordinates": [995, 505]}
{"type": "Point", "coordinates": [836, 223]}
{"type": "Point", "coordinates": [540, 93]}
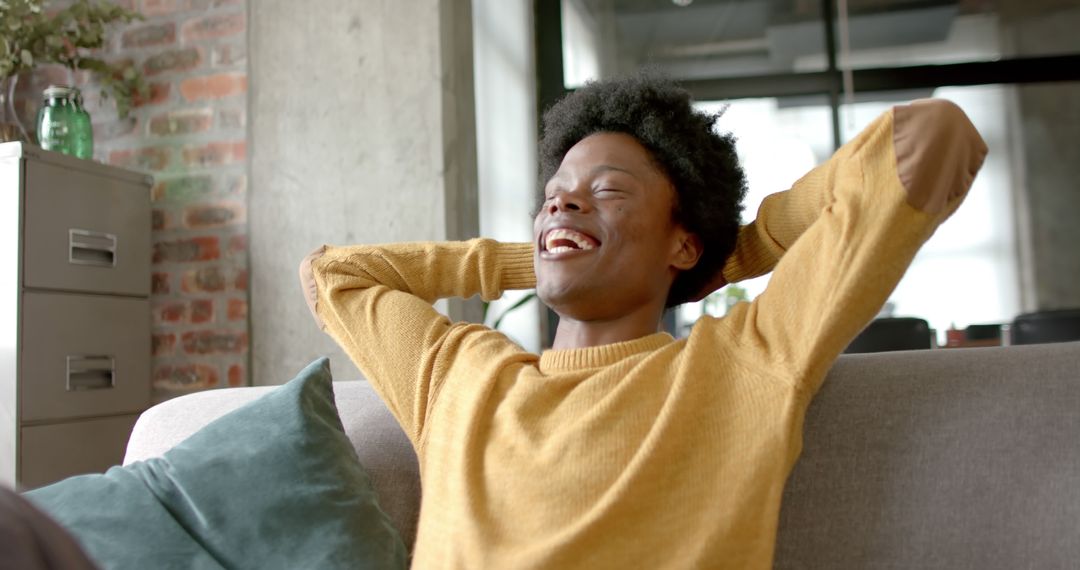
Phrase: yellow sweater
{"type": "Point", "coordinates": [652, 453]}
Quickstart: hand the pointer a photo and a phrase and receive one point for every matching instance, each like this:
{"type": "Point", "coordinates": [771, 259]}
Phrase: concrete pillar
{"type": "Point", "coordinates": [361, 132]}
{"type": "Point", "coordinates": [1048, 120]}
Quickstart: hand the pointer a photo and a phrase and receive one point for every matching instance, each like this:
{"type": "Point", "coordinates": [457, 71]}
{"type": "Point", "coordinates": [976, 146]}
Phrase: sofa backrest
{"type": "Point", "coordinates": [953, 458]}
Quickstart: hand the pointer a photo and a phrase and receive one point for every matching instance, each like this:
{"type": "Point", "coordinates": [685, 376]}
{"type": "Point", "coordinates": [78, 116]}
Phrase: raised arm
{"type": "Point", "coordinates": [781, 219]}
{"type": "Point", "coordinates": [375, 301]}
{"type": "Point", "coordinates": [870, 208]}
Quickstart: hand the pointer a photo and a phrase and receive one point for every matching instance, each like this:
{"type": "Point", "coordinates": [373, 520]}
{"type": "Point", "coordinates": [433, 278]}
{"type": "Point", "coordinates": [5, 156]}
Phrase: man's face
{"type": "Point", "coordinates": [605, 239]}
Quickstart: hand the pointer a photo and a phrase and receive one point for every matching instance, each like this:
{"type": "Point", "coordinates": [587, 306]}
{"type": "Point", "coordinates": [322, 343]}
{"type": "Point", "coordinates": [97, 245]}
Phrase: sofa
{"type": "Point", "coordinates": [947, 458]}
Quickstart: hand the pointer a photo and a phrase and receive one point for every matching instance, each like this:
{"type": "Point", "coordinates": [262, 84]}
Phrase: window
{"type": "Point", "coordinates": [1012, 65]}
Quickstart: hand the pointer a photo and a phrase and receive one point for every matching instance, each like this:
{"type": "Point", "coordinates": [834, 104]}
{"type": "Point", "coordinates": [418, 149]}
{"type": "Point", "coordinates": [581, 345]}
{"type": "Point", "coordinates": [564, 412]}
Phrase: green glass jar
{"type": "Point", "coordinates": [63, 125]}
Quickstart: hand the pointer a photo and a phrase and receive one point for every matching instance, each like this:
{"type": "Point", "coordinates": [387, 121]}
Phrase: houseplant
{"type": "Point", "coordinates": [31, 36]}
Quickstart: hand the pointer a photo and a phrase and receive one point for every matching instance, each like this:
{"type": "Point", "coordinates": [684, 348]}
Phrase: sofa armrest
{"type": "Point", "coordinates": [168, 423]}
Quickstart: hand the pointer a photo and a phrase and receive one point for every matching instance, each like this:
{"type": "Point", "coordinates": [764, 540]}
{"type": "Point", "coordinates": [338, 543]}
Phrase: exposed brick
{"type": "Point", "coordinates": [214, 154]}
{"type": "Point", "coordinates": [214, 342]}
{"type": "Point", "coordinates": [161, 7]}
{"type": "Point", "coordinates": [204, 187]}
{"type": "Point", "coordinates": [214, 215]}
{"type": "Point", "coordinates": [238, 243]}
{"type": "Point", "coordinates": [79, 78]}
{"type": "Point", "coordinates": [170, 312]}
{"type": "Point", "coordinates": [237, 184]}
{"type": "Point", "coordinates": [157, 93]}
{"type": "Point", "coordinates": [44, 75]}
{"type": "Point", "coordinates": [185, 189]}
{"type": "Point", "coordinates": [115, 129]}
{"type": "Point", "coordinates": [162, 344]}
{"type": "Point", "coordinates": [216, 86]}
{"type": "Point", "coordinates": [172, 61]}
{"type": "Point", "coordinates": [159, 219]}
{"type": "Point", "coordinates": [150, 158]}
{"type": "Point", "coordinates": [188, 249]}
{"type": "Point", "coordinates": [95, 106]}
{"type": "Point", "coordinates": [185, 377]}
{"type": "Point", "coordinates": [236, 376]}
{"type": "Point", "coordinates": [232, 118]}
{"type": "Point", "coordinates": [181, 122]}
{"type": "Point", "coordinates": [213, 26]}
{"type": "Point", "coordinates": [230, 55]}
{"type": "Point", "coordinates": [152, 35]}
{"type": "Point", "coordinates": [203, 280]}
{"type": "Point", "coordinates": [238, 310]}
{"type": "Point", "coordinates": [202, 311]}
{"type": "Point", "coordinates": [160, 283]}
{"type": "Point", "coordinates": [236, 250]}
{"type": "Point", "coordinates": [119, 65]}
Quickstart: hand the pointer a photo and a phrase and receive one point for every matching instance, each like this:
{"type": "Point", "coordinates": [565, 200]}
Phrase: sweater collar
{"type": "Point", "coordinates": [599, 356]}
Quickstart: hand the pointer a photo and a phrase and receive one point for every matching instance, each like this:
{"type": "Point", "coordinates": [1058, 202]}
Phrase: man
{"type": "Point", "coordinates": [32, 540]}
{"type": "Point", "coordinates": [622, 447]}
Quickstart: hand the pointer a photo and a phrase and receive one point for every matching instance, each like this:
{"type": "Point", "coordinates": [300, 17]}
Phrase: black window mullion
{"type": "Point", "coordinates": [829, 21]}
{"type": "Point", "coordinates": [550, 83]}
{"type": "Point", "coordinates": [1008, 71]}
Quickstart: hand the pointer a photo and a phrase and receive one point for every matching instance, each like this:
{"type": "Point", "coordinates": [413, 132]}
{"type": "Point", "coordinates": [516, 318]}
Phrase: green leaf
{"type": "Point", "coordinates": [31, 36]}
{"type": "Point", "coordinates": [520, 302]}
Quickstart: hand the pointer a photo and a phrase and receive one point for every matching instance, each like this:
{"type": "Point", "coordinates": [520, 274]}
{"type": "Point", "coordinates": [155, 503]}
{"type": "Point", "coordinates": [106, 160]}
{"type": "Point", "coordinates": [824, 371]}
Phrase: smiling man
{"type": "Point", "coordinates": [623, 447]}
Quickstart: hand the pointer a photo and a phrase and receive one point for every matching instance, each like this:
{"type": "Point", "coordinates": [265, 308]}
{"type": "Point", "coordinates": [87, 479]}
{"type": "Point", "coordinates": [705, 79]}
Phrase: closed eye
{"type": "Point", "coordinates": [609, 192]}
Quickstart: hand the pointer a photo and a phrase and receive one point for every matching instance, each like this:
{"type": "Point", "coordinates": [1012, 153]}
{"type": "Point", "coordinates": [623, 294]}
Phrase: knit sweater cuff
{"type": "Point", "coordinates": [754, 254]}
{"type": "Point", "coordinates": [516, 260]}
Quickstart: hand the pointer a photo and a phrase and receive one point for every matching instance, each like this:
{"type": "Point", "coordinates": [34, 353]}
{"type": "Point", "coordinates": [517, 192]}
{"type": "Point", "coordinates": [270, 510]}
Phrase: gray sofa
{"type": "Point", "coordinates": [951, 458]}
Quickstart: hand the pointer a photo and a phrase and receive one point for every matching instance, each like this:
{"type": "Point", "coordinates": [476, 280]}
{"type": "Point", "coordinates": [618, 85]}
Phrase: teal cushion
{"type": "Point", "coordinates": [274, 484]}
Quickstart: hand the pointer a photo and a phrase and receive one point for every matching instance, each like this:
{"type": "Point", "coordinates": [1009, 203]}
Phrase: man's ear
{"type": "Point", "coordinates": [688, 252]}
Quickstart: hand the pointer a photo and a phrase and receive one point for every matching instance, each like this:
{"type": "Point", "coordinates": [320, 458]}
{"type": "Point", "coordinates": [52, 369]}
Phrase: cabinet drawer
{"type": "Point", "coordinates": [85, 232]}
{"type": "Point", "coordinates": [83, 355]}
{"type": "Point", "coordinates": [49, 453]}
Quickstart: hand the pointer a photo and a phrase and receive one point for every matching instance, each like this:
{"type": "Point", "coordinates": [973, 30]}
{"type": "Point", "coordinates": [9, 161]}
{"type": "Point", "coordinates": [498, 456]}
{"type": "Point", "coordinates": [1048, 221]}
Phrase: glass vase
{"type": "Point", "coordinates": [11, 128]}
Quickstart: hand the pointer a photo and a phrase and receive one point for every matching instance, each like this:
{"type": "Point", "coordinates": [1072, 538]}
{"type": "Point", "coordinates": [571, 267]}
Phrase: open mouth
{"type": "Point", "coordinates": [562, 240]}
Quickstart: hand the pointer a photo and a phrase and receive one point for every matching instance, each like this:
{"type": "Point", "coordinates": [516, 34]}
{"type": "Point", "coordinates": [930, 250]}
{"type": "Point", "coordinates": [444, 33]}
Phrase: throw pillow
{"type": "Point", "coordinates": [274, 484]}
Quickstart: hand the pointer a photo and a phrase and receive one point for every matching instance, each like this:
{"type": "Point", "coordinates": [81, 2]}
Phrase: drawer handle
{"type": "Point", "coordinates": [90, 372]}
{"type": "Point", "coordinates": [91, 248]}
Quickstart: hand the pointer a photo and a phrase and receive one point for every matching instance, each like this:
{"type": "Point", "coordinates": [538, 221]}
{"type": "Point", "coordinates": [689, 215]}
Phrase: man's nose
{"type": "Point", "coordinates": [568, 202]}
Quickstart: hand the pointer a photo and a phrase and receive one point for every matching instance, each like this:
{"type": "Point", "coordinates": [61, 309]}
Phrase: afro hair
{"type": "Point", "coordinates": [701, 163]}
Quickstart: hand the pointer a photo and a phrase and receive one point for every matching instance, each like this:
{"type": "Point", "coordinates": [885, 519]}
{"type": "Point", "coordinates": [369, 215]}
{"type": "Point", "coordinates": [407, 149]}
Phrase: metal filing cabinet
{"type": "Point", "coordinates": [74, 313]}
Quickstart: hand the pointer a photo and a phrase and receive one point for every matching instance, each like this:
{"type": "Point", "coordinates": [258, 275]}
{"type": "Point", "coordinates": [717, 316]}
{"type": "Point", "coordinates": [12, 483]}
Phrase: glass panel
{"type": "Point", "coordinates": [690, 39]}
{"type": "Point", "coordinates": [778, 140]}
{"type": "Point", "coordinates": [885, 33]}
{"type": "Point", "coordinates": [1011, 247]}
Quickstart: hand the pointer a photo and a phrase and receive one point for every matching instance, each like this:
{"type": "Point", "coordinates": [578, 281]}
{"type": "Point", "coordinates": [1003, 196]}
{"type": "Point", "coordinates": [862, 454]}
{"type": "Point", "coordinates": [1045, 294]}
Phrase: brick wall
{"type": "Point", "coordinates": [190, 134]}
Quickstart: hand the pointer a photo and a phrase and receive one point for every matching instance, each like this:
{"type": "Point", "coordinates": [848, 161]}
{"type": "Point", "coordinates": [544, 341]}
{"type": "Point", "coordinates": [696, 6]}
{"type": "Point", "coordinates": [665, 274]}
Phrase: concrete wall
{"type": "Point", "coordinates": [361, 132]}
{"type": "Point", "coordinates": [1048, 118]}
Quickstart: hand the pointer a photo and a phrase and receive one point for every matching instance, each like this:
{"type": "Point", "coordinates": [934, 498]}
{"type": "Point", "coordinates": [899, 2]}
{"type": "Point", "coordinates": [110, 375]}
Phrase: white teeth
{"type": "Point", "coordinates": [581, 241]}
